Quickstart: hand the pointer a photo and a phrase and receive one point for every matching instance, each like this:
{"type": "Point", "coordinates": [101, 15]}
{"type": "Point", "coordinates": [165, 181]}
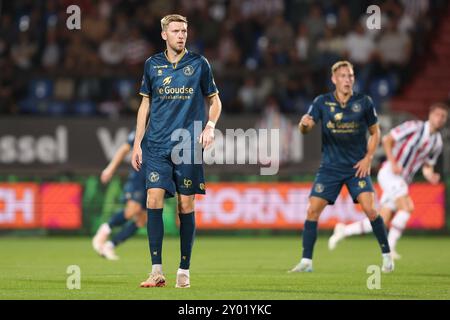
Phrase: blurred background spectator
{"type": "Point", "coordinates": [281, 49]}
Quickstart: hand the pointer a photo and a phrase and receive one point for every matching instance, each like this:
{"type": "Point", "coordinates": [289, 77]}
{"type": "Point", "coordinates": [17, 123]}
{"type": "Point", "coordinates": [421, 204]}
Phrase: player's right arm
{"type": "Point", "coordinates": [306, 124]}
{"type": "Point", "coordinates": [108, 172]}
{"type": "Point", "coordinates": [388, 142]}
{"type": "Point", "coordinates": [144, 109]}
{"type": "Point", "coordinates": [309, 119]}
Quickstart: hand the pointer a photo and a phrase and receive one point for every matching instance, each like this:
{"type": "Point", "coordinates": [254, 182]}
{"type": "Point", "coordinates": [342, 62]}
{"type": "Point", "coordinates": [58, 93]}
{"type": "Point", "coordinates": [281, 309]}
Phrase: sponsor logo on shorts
{"type": "Point", "coordinates": [362, 184]}
{"type": "Point", "coordinates": [153, 177]}
{"type": "Point", "coordinates": [202, 186]}
{"type": "Point", "coordinates": [319, 188]}
{"type": "Point", "coordinates": [187, 183]}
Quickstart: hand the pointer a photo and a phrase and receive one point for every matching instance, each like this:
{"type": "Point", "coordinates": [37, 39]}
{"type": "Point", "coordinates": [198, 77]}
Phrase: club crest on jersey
{"type": "Point", "coordinates": [188, 70]}
{"type": "Point", "coordinates": [153, 177]}
{"type": "Point", "coordinates": [362, 184]}
{"type": "Point", "coordinates": [319, 188]}
{"type": "Point", "coordinates": [160, 72]}
{"type": "Point", "coordinates": [356, 107]}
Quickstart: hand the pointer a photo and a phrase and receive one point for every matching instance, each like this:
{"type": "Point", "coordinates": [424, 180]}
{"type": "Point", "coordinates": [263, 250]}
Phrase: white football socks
{"type": "Point", "coordinates": [157, 268]}
{"type": "Point", "coordinates": [358, 227]}
{"type": "Point", "coordinates": [398, 224]}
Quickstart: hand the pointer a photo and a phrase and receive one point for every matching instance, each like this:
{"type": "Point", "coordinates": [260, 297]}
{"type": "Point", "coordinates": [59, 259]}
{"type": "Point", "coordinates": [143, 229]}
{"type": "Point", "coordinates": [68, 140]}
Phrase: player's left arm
{"type": "Point", "coordinates": [428, 167]}
{"type": "Point", "coordinates": [117, 159]}
{"type": "Point", "coordinates": [364, 165]}
{"type": "Point", "coordinates": [215, 109]}
{"type": "Point", "coordinates": [429, 174]}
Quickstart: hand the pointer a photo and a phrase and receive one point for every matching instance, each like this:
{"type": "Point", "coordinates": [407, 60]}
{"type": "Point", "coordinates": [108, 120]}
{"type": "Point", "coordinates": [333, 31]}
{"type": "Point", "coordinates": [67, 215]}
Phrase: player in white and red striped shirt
{"type": "Point", "coordinates": [408, 147]}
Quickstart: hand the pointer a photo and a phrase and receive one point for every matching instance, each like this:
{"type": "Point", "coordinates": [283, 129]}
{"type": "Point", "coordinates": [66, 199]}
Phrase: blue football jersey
{"type": "Point", "coordinates": [177, 92]}
{"type": "Point", "coordinates": [344, 128]}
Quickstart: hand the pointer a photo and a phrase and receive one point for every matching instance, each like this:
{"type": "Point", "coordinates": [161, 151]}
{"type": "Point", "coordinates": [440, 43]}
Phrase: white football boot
{"type": "Point", "coordinates": [100, 238]}
{"type": "Point", "coordinates": [108, 251]}
{"type": "Point", "coordinates": [182, 279]}
{"type": "Point", "coordinates": [388, 263]}
{"type": "Point", "coordinates": [305, 265]}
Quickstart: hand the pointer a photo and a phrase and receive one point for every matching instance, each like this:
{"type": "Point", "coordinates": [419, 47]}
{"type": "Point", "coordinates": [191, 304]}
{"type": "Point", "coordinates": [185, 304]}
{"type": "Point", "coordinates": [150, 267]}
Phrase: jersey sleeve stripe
{"type": "Point", "coordinates": [213, 94]}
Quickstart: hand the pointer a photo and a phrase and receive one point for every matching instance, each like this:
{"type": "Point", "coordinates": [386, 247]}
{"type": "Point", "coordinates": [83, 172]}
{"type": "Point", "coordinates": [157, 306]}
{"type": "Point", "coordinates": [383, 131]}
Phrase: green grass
{"type": "Point", "coordinates": [224, 268]}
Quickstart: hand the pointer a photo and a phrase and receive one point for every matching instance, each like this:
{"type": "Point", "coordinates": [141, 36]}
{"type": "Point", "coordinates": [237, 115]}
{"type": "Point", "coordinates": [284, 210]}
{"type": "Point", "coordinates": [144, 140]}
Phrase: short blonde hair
{"type": "Point", "coordinates": [339, 65]}
{"type": "Point", "coordinates": [172, 18]}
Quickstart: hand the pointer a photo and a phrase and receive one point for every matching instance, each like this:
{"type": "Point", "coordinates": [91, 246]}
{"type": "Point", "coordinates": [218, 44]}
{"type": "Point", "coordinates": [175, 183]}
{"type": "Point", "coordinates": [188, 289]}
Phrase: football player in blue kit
{"type": "Point", "coordinates": [346, 117]}
{"type": "Point", "coordinates": [174, 87]}
{"type": "Point", "coordinates": [133, 216]}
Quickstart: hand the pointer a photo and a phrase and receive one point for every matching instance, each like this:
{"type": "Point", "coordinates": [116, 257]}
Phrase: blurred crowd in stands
{"type": "Point", "coordinates": [264, 52]}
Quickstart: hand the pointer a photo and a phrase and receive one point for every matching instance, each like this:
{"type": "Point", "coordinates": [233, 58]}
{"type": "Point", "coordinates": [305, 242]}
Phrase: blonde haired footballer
{"type": "Point", "coordinates": [174, 86]}
{"type": "Point", "coordinates": [346, 117]}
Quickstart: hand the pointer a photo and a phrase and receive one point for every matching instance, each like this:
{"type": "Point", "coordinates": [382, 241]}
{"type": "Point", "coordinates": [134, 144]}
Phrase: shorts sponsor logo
{"type": "Point", "coordinates": [202, 186]}
{"type": "Point", "coordinates": [153, 177]}
{"type": "Point", "coordinates": [362, 184]}
{"type": "Point", "coordinates": [187, 183]}
{"type": "Point", "coordinates": [319, 188]}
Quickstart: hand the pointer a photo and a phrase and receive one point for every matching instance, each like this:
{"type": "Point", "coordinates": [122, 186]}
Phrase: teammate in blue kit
{"type": "Point", "coordinates": [346, 118]}
{"type": "Point", "coordinates": [133, 216]}
{"type": "Point", "coordinates": [174, 86]}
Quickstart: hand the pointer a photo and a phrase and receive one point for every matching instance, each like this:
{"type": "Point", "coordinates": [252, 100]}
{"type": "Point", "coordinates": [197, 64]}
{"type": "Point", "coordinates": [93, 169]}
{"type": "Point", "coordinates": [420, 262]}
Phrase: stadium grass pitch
{"type": "Point", "coordinates": [232, 267]}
